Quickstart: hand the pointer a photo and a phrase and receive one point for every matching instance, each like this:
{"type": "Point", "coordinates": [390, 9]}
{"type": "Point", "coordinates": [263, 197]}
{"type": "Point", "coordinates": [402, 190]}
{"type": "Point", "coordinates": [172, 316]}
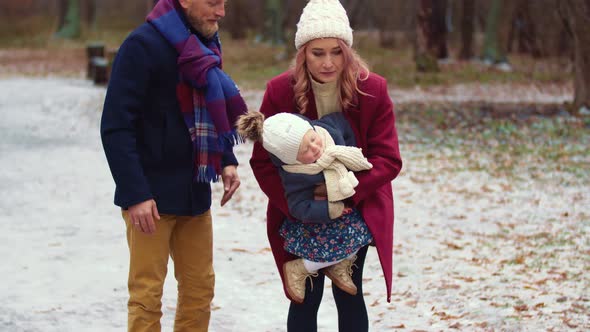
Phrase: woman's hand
{"type": "Point", "coordinates": [346, 210]}
{"type": "Point", "coordinates": [320, 193]}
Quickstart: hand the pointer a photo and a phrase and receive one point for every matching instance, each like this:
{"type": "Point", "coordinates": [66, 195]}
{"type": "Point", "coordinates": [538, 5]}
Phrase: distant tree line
{"type": "Point", "coordinates": [437, 29]}
{"type": "Point", "coordinates": [533, 27]}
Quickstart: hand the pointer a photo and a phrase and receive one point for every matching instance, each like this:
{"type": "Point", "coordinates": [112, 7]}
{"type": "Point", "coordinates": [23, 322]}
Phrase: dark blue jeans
{"type": "Point", "coordinates": [352, 312]}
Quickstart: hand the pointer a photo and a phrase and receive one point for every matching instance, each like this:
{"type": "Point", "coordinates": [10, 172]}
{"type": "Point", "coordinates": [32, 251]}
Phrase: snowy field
{"type": "Point", "coordinates": [473, 252]}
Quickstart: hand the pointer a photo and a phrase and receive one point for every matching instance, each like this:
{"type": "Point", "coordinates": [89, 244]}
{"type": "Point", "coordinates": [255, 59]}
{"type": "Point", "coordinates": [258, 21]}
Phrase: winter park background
{"type": "Point", "coordinates": [473, 251]}
{"type": "Point", "coordinates": [492, 228]}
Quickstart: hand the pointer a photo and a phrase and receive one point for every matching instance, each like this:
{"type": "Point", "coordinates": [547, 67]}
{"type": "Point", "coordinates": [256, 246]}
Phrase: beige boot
{"type": "Point", "coordinates": [341, 274]}
{"type": "Point", "coordinates": [295, 275]}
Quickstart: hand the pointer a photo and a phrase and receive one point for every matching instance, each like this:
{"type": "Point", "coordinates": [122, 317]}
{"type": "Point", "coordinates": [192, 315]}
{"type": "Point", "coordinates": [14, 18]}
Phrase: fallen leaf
{"type": "Point", "coordinates": [457, 325]}
{"type": "Point", "coordinates": [466, 279]}
{"type": "Point", "coordinates": [482, 324]}
{"type": "Point", "coordinates": [569, 323]}
{"type": "Point", "coordinates": [447, 285]}
{"type": "Point", "coordinates": [452, 245]}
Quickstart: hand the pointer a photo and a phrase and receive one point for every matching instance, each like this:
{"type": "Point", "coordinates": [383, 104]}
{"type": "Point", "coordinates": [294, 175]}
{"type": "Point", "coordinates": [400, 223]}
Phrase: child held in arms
{"type": "Point", "coordinates": [324, 233]}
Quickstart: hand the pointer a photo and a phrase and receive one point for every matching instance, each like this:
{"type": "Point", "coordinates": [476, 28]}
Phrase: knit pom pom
{"type": "Point", "coordinates": [250, 126]}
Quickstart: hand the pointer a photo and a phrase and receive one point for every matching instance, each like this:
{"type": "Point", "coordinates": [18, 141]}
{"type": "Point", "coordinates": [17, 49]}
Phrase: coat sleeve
{"type": "Point", "coordinates": [265, 172]}
{"type": "Point", "coordinates": [338, 127]}
{"type": "Point", "coordinates": [228, 157]}
{"type": "Point", "coordinates": [300, 199]}
{"type": "Point", "coordinates": [124, 102]}
{"type": "Point", "coordinates": [382, 148]}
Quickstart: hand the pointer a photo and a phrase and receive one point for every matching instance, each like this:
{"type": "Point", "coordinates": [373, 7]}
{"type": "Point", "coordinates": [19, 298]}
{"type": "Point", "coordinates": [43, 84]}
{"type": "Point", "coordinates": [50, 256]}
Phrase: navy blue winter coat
{"type": "Point", "coordinates": [144, 136]}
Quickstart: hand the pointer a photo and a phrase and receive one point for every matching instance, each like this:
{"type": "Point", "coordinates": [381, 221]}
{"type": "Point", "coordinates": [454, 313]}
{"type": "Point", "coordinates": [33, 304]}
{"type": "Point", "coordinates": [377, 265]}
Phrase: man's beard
{"type": "Point", "coordinates": [207, 30]}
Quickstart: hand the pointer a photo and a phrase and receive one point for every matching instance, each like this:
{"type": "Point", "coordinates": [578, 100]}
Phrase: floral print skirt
{"type": "Point", "coordinates": [326, 242]}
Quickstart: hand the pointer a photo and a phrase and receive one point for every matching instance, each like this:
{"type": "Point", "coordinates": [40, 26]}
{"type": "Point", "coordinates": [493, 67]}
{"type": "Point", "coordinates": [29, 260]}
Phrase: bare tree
{"type": "Point", "coordinates": [356, 10]}
{"type": "Point", "coordinates": [548, 35]}
{"type": "Point", "coordinates": [62, 11]}
{"type": "Point", "coordinates": [71, 26]}
{"type": "Point", "coordinates": [88, 13]}
{"type": "Point", "coordinates": [236, 20]}
{"type": "Point", "coordinates": [576, 15]}
{"type": "Point", "coordinates": [383, 12]}
{"type": "Point", "coordinates": [467, 29]}
{"type": "Point", "coordinates": [431, 41]}
{"type": "Point", "coordinates": [274, 28]}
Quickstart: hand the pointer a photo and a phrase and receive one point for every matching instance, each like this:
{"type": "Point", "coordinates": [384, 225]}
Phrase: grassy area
{"type": "Point", "coordinates": [520, 150]}
{"type": "Point", "coordinates": [251, 64]}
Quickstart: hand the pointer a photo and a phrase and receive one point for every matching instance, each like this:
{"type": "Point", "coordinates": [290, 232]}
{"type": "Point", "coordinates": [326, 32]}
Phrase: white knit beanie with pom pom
{"type": "Point", "coordinates": [323, 19]}
{"type": "Point", "coordinates": [282, 135]}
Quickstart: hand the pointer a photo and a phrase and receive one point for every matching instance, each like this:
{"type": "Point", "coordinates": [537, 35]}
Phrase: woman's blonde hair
{"type": "Point", "coordinates": [355, 69]}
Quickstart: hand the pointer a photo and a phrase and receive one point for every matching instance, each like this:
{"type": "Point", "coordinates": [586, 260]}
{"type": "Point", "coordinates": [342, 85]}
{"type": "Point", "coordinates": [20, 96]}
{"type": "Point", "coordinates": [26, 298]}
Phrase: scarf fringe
{"type": "Point", "coordinates": [232, 137]}
{"type": "Point", "coordinates": [206, 174]}
{"type": "Point", "coordinates": [211, 173]}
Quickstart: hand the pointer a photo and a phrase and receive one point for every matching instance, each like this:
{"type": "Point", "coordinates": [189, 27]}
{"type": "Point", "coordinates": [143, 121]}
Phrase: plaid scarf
{"type": "Point", "coordinates": [209, 100]}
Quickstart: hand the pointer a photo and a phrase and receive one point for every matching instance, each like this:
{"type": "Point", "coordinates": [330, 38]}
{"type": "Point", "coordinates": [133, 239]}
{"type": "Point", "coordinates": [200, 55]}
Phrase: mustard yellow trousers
{"type": "Point", "coordinates": [189, 241]}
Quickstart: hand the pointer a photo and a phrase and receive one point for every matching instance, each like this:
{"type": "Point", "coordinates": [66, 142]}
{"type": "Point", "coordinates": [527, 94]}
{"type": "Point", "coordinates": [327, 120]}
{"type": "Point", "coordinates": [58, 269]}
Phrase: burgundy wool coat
{"type": "Point", "coordinates": [373, 122]}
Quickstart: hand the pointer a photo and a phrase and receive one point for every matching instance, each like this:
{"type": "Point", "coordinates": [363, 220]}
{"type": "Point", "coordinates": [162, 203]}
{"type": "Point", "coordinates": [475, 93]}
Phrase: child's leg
{"type": "Point", "coordinates": [341, 274]}
{"type": "Point", "coordinates": [296, 275]}
{"type": "Point", "coordinates": [313, 267]}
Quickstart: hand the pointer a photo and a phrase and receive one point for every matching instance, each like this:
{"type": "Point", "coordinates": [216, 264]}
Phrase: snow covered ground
{"type": "Point", "coordinates": [473, 252]}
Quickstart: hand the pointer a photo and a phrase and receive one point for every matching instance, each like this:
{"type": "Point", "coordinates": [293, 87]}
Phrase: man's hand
{"type": "Point", "coordinates": [142, 216]}
{"type": "Point", "coordinates": [231, 182]}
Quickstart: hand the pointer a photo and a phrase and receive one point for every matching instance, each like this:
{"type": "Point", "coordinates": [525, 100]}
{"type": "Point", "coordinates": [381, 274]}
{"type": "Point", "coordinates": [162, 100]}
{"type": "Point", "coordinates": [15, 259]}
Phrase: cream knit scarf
{"type": "Point", "coordinates": [337, 162]}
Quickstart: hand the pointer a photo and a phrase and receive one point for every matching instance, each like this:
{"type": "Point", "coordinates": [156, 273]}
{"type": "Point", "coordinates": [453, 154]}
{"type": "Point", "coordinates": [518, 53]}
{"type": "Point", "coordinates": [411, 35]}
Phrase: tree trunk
{"type": "Point", "coordinates": [274, 22]}
{"type": "Point", "coordinates": [62, 11]}
{"type": "Point", "coordinates": [549, 35]}
{"type": "Point", "coordinates": [577, 15]}
{"type": "Point", "coordinates": [431, 34]}
{"type": "Point", "coordinates": [491, 48]}
{"type": "Point", "coordinates": [439, 24]}
{"type": "Point", "coordinates": [526, 34]}
{"type": "Point", "coordinates": [88, 13]}
{"type": "Point", "coordinates": [236, 19]}
{"type": "Point", "coordinates": [467, 29]}
{"type": "Point", "coordinates": [383, 11]}
{"type": "Point", "coordinates": [71, 26]}
{"type": "Point", "coordinates": [355, 10]}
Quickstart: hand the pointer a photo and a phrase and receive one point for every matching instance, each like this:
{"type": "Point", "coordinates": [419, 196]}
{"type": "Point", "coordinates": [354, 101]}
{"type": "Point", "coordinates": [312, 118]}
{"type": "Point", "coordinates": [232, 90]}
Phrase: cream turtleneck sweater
{"type": "Point", "coordinates": [326, 97]}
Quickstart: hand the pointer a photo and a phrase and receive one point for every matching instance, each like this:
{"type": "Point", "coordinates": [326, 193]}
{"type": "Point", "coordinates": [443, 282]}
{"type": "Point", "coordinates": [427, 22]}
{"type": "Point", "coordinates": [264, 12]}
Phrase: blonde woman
{"type": "Point", "coordinates": [328, 76]}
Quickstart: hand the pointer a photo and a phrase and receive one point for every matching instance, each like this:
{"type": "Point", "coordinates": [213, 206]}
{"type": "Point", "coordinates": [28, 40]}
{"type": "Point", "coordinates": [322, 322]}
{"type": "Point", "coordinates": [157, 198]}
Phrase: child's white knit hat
{"type": "Point", "coordinates": [282, 134]}
{"type": "Point", "coordinates": [323, 19]}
